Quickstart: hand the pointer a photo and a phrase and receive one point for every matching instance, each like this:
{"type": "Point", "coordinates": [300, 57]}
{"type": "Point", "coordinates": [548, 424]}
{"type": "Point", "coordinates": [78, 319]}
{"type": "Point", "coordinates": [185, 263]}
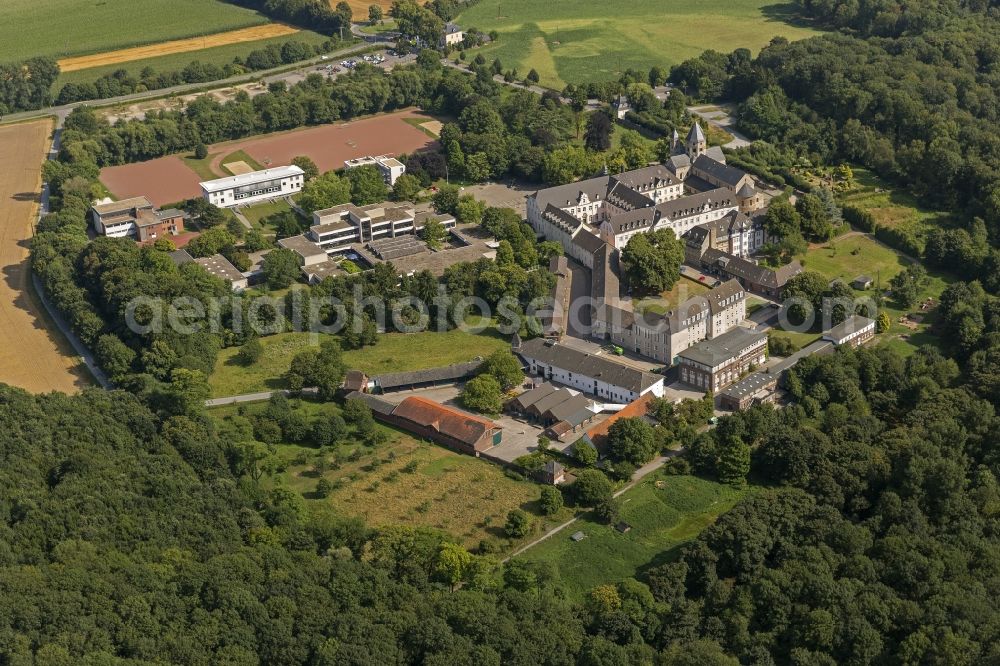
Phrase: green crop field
{"type": "Point", "coordinates": [569, 41]}
{"type": "Point", "coordinates": [664, 512]}
{"type": "Point", "coordinates": [71, 27]}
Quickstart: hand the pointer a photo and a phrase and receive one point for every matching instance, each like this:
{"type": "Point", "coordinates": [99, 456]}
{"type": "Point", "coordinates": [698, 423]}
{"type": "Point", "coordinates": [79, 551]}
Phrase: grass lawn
{"type": "Point", "coordinates": [258, 212]}
{"type": "Point", "coordinates": [394, 352]}
{"type": "Point", "coordinates": [240, 156]}
{"type": "Point", "coordinates": [670, 299]}
{"type": "Point", "coordinates": [218, 55]}
{"type": "Point", "coordinates": [70, 27]}
{"type": "Point", "coordinates": [406, 482]}
{"type": "Point", "coordinates": [586, 40]}
{"type": "Point", "coordinates": [892, 208]}
{"type": "Point", "coordinates": [852, 255]}
{"type": "Point", "coordinates": [800, 340]}
{"type": "Point", "coordinates": [662, 519]}
{"type": "Point", "coordinates": [387, 25]}
{"type": "Point", "coordinates": [201, 167]}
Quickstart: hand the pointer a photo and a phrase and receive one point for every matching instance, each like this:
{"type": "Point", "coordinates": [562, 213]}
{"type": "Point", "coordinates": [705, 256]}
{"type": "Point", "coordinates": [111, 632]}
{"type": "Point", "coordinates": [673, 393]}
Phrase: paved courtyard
{"type": "Point", "coordinates": [519, 437]}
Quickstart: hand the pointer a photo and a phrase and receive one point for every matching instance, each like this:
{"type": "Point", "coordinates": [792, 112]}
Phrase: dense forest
{"type": "Point", "coordinates": [134, 532]}
{"type": "Point", "coordinates": [917, 101]}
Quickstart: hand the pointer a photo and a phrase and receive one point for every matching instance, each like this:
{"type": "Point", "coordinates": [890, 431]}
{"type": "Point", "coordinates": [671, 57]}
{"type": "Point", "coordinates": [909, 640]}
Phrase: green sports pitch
{"type": "Point", "coordinates": [60, 28]}
{"type": "Point", "coordinates": [575, 41]}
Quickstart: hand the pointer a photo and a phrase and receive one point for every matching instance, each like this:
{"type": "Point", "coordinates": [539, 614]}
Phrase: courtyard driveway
{"type": "Point", "coordinates": [519, 437]}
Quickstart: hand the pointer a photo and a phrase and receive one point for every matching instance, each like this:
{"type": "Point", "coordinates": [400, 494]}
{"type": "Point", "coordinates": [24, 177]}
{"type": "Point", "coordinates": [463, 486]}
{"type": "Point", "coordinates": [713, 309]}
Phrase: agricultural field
{"type": "Point", "coordinates": [213, 55]}
{"type": "Point", "coordinates": [664, 511]}
{"type": "Point", "coordinates": [33, 354]}
{"type": "Point", "coordinates": [404, 482]}
{"type": "Point", "coordinates": [571, 41]}
{"type": "Point", "coordinates": [394, 352]}
{"type": "Point", "coordinates": [242, 35]}
{"type": "Point", "coordinates": [855, 254]}
{"type": "Point", "coordinates": [61, 28]}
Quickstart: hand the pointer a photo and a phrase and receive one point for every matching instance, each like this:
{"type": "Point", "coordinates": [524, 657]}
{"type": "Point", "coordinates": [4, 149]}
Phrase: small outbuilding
{"type": "Point", "coordinates": [623, 527]}
{"type": "Point", "coordinates": [862, 282]}
{"type": "Point", "coordinates": [553, 473]}
{"type": "Point", "coordinates": [578, 536]}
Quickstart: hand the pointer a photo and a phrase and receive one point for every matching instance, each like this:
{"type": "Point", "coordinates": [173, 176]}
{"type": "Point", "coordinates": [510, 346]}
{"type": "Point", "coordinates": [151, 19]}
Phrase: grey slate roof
{"type": "Point", "coordinates": [719, 197]}
{"type": "Point", "coordinates": [588, 365]}
{"type": "Point", "coordinates": [180, 257]}
{"type": "Point", "coordinates": [852, 324]}
{"type": "Point", "coordinates": [723, 172]}
{"type": "Point", "coordinates": [720, 349]}
{"type": "Point", "coordinates": [696, 134]}
{"type": "Point", "coordinates": [444, 373]}
{"type": "Point", "coordinates": [588, 241]}
{"type": "Point", "coordinates": [562, 196]}
{"type": "Point", "coordinates": [378, 405]}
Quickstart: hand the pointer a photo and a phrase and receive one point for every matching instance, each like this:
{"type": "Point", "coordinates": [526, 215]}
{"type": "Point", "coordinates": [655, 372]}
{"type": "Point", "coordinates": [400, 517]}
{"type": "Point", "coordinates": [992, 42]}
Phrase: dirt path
{"type": "Point", "coordinates": [253, 34]}
{"type": "Point", "coordinates": [32, 354]}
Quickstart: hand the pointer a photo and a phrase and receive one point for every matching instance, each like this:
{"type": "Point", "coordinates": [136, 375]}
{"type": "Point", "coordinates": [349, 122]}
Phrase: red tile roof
{"type": "Point", "coordinates": [446, 420]}
{"type": "Point", "coordinates": [598, 435]}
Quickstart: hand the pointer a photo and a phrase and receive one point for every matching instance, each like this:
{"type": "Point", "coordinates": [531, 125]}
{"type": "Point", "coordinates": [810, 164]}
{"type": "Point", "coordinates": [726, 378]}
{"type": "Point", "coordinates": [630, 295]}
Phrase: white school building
{"type": "Point", "coordinates": [249, 188]}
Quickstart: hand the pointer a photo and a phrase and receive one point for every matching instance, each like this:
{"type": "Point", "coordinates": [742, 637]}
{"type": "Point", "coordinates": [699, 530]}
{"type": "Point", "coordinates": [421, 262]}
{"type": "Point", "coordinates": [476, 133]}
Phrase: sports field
{"type": "Point", "coordinates": [569, 41]}
{"type": "Point", "coordinates": [169, 179]}
{"type": "Point", "coordinates": [32, 354]}
{"type": "Point", "coordinates": [253, 34]}
{"type": "Point", "coordinates": [72, 27]}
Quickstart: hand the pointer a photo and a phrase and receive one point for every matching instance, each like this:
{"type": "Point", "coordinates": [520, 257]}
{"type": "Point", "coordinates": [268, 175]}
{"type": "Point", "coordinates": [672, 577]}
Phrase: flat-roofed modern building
{"type": "Point", "coordinates": [220, 267]}
{"type": "Point", "coordinates": [390, 167]}
{"type": "Point", "coordinates": [136, 218]}
{"type": "Point", "coordinates": [252, 187]}
{"type": "Point", "coordinates": [336, 229]}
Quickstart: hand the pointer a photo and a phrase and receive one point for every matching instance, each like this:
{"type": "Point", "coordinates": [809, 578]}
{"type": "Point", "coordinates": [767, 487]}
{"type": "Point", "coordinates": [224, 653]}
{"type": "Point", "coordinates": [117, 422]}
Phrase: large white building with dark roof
{"type": "Point", "coordinates": [694, 187]}
{"type": "Point", "coordinates": [595, 375]}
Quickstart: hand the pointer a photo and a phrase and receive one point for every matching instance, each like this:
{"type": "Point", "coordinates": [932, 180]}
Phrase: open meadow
{"type": "Point", "coordinates": [856, 254]}
{"type": "Point", "coordinates": [403, 481]}
{"type": "Point", "coordinates": [33, 354]}
{"type": "Point", "coordinates": [664, 512]}
{"type": "Point", "coordinates": [572, 41]}
{"type": "Point", "coordinates": [394, 352]}
{"type": "Point", "coordinates": [69, 27]}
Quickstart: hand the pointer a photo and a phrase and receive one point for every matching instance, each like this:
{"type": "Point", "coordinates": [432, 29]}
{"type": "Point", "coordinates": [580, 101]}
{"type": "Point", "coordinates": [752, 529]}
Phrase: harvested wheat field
{"type": "Point", "coordinates": [359, 8]}
{"type": "Point", "coordinates": [177, 46]}
{"type": "Point", "coordinates": [32, 355]}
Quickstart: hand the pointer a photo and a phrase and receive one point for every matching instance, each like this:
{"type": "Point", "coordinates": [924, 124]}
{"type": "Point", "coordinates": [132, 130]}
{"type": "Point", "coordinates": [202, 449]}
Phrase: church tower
{"type": "Point", "coordinates": [696, 142]}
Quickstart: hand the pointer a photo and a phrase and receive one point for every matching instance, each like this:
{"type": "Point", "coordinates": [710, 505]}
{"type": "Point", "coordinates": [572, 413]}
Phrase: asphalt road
{"type": "Point", "coordinates": [268, 76]}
